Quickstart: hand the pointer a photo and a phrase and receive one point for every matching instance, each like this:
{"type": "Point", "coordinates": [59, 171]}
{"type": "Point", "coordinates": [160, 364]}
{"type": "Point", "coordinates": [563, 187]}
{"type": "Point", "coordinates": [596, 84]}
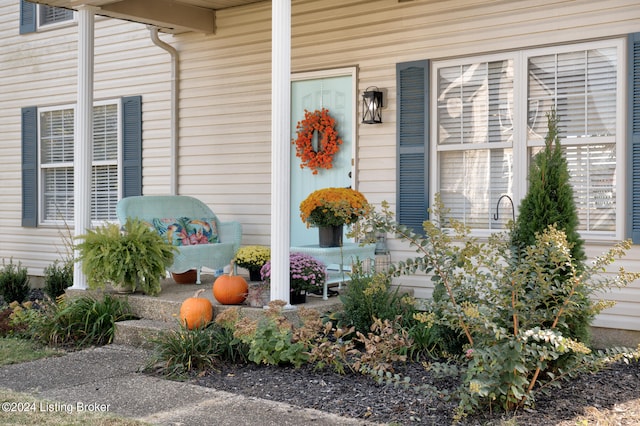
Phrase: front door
{"type": "Point", "coordinates": [335, 91]}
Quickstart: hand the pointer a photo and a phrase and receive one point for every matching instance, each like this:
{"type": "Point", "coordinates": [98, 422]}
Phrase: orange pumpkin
{"type": "Point", "coordinates": [196, 311]}
{"type": "Point", "coordinates": [230, 289]}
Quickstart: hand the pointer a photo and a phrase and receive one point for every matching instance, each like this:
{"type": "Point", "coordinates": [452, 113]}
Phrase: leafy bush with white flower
{"type": "Point", "coordinates": [511, 336]}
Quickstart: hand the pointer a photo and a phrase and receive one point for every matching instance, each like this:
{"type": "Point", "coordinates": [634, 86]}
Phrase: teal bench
{"type": "Point", "coordinates": [168, 212]}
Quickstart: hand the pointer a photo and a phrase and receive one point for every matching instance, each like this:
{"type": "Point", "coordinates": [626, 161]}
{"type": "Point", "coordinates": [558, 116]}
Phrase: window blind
{"type": "Point", "coordinates": [52, 15]}
{"type": "Point", "coordinates": [581, 85]}
{"type": "Point", "coordinates": [56, 147]}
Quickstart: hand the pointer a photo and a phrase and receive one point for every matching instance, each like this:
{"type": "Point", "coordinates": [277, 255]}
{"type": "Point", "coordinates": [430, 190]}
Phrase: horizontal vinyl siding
{"type": "Point", "coordinates": [39, 69]}
{"type": "Point", "coordinates": [225, 117]}
{"type": "Point", "coordinates": [225, 147]}
{"type": "Point", "coordinates": [225, 106]}
{"type": "Point", "coordinates": [393, 33]}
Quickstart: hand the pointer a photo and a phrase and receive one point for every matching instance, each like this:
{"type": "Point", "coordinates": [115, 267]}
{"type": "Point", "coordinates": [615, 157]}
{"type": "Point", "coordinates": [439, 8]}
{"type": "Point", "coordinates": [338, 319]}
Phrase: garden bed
{"type": "Point", "coordinates": [610, 397]}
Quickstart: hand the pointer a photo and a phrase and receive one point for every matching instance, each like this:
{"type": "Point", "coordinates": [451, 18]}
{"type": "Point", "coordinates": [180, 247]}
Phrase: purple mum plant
{"type": "Point", "coordinates": [305, 272]}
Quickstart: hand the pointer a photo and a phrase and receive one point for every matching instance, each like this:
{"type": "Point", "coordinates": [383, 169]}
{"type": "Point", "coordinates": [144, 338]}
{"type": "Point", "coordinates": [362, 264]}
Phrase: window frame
{"type": "Point", "coordinates": [40, 26]}
{"type": "Point", "coordinates": [520, 144]}
{"type": "Point", "coordinates": [42, 220]}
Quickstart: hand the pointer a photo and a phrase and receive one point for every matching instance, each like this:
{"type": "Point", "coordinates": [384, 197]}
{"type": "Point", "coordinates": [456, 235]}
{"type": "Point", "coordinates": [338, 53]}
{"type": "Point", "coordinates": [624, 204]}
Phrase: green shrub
{"type": "Point", "coordinates": [14, 282]}
{"type": "Point", "coordinates": [448, 339]}
{"type": "Point", "coordinates": [549, 199]}
{"type": "Point", "coordinates": [550, 202]}
{"type": "Point", "coordinates": [430, 340]}
{"type": "Point", "coordinates": [135, 256]}
{"type": "Point", "coordinates": [57, 278]}
{"type": "Point", "coordinates": [370, 297]}
{"type": "Point", "coordinates": [85, 321]}
{"type": "Point", "coordinates": [76, 322]}
{"type": "Point", "coordinates": [273, 339]}
{"type": "Point", "coordinates": [26, 320]}
{"type": "Point", "coordinates": [272, 343]}
{"type": "Point", "coordinates": [511, 313]}
{"type": "Point", "coordinates": [178, 353]}
{"type": "Point", "coordinates": [181, 352]}
{"type": "Point", "coordinates": [227, 347]}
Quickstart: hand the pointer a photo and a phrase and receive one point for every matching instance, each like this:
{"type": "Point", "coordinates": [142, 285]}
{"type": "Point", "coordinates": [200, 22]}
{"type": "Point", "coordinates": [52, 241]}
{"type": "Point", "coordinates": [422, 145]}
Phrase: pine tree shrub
{"type": "Point", "coordinates": [57, 278]}
{"type": "Point", "coordinates": [14, 282]}
{"type": "Point", "coordinates": [549, 201]}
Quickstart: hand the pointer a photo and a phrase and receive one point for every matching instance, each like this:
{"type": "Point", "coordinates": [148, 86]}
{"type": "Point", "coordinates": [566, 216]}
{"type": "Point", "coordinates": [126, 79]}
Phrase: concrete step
{"type": "Point", "coordinates": [141, 333]}
{"type": "Point", "coordinates": [158, 314]}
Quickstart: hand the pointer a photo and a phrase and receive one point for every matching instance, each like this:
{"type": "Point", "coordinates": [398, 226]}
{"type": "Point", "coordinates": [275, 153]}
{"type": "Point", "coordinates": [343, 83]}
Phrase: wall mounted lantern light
{"type": "Point", "coordinates": [372, 106]}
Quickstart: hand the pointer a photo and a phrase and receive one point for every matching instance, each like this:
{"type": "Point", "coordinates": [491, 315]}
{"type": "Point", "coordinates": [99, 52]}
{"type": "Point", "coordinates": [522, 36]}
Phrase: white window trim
{"type": "Point", "coordinates": [520, 146]}
{"type": "Point", "coordinates": [57, 222]}
{"type": "Point", "coordinates": [54, 25]}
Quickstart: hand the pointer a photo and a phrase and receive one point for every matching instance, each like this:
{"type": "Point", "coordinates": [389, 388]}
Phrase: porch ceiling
{"type": "Point", "coordinates": [174, 16]}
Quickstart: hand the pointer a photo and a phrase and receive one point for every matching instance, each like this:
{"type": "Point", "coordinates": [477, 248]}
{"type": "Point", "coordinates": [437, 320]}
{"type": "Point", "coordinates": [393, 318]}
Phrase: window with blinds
{"type": "Point", "coordinates": [581, 86]}
{"type": "Point", "coordinates": [483, 129]}
{"type": "Point", "coordinates": [475, 137]}
{"type": "Point", "coordinates": [56, 163]}
{"type": "Point", "coordinates": [48, 15]}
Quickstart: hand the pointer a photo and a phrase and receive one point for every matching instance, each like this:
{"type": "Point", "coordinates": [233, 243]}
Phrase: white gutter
{"type": "Point", "coordinates": [175, 130]}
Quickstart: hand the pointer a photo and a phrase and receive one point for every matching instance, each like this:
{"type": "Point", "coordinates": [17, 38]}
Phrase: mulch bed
{"type": "Point", "coordinates": [610, 397]}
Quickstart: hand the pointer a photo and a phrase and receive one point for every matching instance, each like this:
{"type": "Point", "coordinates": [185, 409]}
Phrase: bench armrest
{"type": "Point", "coordinates": [230, 232]}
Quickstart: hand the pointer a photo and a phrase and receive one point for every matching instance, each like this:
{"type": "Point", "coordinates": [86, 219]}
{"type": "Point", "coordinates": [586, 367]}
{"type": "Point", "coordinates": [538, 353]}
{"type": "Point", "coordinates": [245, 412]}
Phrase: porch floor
{"type": "Point", "coordinates": [179, 292]}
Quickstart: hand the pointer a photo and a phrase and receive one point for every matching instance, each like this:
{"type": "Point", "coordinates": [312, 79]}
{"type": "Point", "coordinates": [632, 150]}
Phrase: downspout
{"type": "Point", "coordinates": [175, 131]}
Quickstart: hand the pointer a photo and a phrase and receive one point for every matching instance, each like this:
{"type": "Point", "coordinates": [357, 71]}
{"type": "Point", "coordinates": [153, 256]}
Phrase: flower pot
{"type": "Point", "coordinates": [123, 288]}
{"type": "Point", "coordinates": [330, 236]}
{"type": "Point", "coordinates": [297, 298]}
{"type": "Point", "coordinates": [188, 277]}
{"type": "Point", "coordinates": [254, 275]}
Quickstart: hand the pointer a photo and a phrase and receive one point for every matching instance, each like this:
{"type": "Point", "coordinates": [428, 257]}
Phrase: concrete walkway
{"type": "Point", "coordinates": [109, 378]}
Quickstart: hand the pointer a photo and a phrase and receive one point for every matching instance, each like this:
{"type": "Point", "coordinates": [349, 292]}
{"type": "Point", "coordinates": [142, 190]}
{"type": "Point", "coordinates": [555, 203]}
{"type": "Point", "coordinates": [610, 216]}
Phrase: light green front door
{"type": "Point", "coordinates": [337, 94]}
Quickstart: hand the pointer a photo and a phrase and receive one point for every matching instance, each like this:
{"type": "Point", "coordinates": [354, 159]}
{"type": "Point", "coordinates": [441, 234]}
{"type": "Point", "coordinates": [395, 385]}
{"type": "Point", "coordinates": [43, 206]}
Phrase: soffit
{"type": "Point", "coordinates": [173, 16]}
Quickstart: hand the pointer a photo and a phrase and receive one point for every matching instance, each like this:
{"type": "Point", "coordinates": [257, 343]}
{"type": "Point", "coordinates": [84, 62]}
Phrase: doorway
{"type": "Point", "coordinates": [334, 90]}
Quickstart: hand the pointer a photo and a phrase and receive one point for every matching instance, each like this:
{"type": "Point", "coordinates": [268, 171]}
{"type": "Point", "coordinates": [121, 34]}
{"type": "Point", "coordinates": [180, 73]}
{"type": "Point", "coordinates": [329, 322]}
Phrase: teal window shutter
{"type": "Point", "coordinates": [30, 167]}
{"type": "Point", "coordinates": [633, 133]}
{"type": "Point", "coordinates": [132, 146]}
{"type": "Point", "coordinates": [27, 17]}
{"type": "Point", "coordinates": [412, 82]}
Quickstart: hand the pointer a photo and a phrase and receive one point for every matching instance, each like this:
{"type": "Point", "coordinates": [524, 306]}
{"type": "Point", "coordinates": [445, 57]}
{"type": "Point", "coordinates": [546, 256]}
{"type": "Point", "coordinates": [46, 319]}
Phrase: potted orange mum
{"type": "Point", "coordinates": [329, 209]}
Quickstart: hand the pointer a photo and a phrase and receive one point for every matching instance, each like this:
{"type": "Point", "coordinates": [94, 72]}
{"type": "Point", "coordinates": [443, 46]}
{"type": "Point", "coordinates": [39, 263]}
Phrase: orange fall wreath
{"type": "Point", "coordinates": [329, 142]}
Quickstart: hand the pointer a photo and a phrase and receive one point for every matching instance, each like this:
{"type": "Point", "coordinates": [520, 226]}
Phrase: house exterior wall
{"type": "Point", "coordinates": [40, 69]}
{"type": "Point", "coordinates": [224, 107]}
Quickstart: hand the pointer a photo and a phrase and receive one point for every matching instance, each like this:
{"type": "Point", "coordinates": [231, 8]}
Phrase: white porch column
{"type": "Point", "coordinates": [280, 147]}
{"type": "Point", "coordinates": [83, 146]}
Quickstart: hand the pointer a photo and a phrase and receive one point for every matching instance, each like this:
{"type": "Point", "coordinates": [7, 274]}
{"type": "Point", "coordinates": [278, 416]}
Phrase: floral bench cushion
{"type": "Point", "coordinates": [185, 231]}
